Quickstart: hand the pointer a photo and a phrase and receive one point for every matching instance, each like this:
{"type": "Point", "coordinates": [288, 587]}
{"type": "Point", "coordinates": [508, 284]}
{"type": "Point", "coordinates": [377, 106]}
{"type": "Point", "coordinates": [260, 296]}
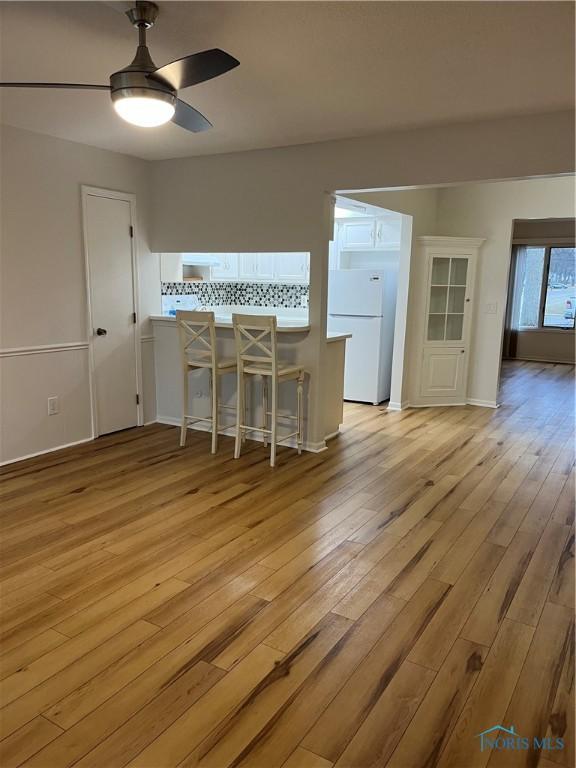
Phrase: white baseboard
{"type": "Point", "coordinates": [438, 405]}
{"type": "Point", "coordinates": [230, 432]}
{"type": "Point", "coordinates": [47, 450]}
{"type": "Point", "coordinates": [395, 406]}
{"type": "Point", "coordinates": [483, 403]}
{"type": "Point", "coordinates": [540, 360]}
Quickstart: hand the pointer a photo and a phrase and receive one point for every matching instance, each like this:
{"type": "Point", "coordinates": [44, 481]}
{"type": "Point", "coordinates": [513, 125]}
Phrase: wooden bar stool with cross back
{"type": "Point", "coordinates": [197, 334]}
{"type": "Point", "coordinates": [257, 355]}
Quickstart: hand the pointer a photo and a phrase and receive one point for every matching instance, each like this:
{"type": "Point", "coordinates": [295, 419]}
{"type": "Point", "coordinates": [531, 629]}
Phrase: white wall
{"type": "Point", "coordinates": [489, 210]}
{"type": "Point", "coordinates": [43, 290]}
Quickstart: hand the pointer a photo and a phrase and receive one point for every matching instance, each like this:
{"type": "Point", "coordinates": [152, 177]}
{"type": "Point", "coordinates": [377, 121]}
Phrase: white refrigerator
{"type": "Point", "coordinates": [363, 302]}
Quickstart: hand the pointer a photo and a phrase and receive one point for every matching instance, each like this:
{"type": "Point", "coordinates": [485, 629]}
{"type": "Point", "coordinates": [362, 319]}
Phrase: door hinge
{"type": "Point", "coordinates": [133, 317]}
{"type": "Point", "coordinates": [131, 231]}
{"type": "Point", "coordinates": [137, 399]}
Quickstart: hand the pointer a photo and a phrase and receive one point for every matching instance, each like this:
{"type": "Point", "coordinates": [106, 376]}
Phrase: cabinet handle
{"type": "Point", "coordinates": [462, 351]}
{"type": "Point", "coordinates": [467, 300]}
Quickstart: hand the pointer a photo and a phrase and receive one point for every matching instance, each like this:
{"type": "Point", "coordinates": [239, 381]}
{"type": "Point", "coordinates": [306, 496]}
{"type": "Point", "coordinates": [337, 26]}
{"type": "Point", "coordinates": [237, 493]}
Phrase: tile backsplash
{"type": "Point", "coordinates": [212, 294]}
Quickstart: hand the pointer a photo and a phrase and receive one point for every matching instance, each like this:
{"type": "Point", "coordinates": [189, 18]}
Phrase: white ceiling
{"type": "Point", "coordinates": [310, 71]}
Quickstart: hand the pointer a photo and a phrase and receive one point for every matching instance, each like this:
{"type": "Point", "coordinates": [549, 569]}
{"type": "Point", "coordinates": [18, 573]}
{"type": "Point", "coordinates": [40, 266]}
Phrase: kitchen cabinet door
{"type": "Point", "coordinates": [443, 373]}
{"type": "Point", "coordinates": [357, 235]}
{"type": "Point", "coordinates": [247, 266]}
{"type": "Point", "coordinates": [227, 269]}
{"type": "Point", "coordinates": [265, 266]}
{"type": "Point", "coordinates": [291, 267]}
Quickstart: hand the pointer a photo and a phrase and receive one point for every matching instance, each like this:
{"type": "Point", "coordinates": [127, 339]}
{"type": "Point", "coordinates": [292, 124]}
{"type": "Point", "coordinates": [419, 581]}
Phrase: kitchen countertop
{"type": "Point", "coordinates": [285, 325]}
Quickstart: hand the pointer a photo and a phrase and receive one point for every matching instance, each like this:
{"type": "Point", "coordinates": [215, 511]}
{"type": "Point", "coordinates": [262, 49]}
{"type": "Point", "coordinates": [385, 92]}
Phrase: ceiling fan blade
{"type": "Point", "coordinates": [189, 118]}
{"type": "Point", "coordinates": [196, 68]}
{"type": "Point", "coordinates": [76, 86]}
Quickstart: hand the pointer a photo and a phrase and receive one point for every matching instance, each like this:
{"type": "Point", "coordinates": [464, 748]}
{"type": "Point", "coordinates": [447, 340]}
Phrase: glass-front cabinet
{"type": "Point", "coordinates": [449, 264]}
{"type": "Point", "coordinates": [447, 299]}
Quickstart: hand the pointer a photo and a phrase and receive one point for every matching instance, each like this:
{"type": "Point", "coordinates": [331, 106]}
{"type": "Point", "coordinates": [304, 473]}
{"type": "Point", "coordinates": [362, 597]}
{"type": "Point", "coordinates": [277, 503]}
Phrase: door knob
{"type": "Point", "coordinates": [101, 331]}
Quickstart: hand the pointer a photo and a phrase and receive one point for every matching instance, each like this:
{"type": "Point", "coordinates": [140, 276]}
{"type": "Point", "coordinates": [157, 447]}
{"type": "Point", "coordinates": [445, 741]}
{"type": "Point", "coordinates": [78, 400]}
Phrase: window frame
{"type": "Point", "coordinates": [548, 246]}
{"type": "Point", "coordinates": [544, 292]}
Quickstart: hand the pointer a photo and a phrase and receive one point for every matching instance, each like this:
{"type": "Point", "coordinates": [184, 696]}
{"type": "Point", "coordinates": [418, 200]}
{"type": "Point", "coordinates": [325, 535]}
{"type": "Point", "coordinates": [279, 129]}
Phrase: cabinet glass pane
{"type": "Point", "coordinates": [456, 298]}
{"type": "Point", "coordinates": [454, 325]}
{"type": "Point", "coordinates": [440, 270]}
{"type": "Point", "coordinates": [458, 271]}
{"type": "Point", "coordinates": [436, 327]}
{"type": "Point", "coordinates": [438, 300]}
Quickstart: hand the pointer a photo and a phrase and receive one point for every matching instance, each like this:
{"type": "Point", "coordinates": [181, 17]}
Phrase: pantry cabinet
{"type": "Point", "coordinates": [447, 300]}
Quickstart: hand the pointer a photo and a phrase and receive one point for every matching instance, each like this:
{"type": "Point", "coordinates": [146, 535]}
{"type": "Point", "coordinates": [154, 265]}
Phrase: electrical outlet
{"type": "Point", "coordinates": [491, 309]}
{"type": "Point", "coordinates": [53, 406]}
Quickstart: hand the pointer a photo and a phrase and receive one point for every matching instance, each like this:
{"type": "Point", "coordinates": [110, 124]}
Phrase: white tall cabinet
{"type": "Point", "coordinates": [446, 311]}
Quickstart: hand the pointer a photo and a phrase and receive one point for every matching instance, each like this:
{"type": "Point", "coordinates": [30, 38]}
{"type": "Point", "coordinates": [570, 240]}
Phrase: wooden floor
{"type": "Point", "coordinates": [379, 604]}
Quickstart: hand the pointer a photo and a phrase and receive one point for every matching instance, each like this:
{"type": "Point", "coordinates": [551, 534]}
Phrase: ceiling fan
{"type": "Point", "coordinates": [146, 95]}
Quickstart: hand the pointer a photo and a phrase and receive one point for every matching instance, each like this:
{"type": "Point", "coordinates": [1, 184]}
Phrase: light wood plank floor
{"type": "Point", "coordinates": [379, 604]}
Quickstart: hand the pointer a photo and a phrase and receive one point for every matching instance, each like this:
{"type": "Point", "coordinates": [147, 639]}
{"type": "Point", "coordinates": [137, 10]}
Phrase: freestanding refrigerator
{"type": "Point", "coordinates": [363, 302]}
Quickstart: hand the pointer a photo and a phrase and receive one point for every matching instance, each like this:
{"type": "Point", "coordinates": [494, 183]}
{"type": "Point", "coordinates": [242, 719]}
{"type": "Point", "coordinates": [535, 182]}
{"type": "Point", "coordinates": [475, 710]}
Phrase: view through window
{"type": "Point", "coordinates": [544, 287]}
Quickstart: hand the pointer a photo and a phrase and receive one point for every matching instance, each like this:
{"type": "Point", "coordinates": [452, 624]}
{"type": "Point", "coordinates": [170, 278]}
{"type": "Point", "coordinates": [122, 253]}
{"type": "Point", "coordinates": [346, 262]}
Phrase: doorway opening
{"type": "Point", "coordinates": [541, 306]}
{"type": "Point", "coordinates": [367, 246]}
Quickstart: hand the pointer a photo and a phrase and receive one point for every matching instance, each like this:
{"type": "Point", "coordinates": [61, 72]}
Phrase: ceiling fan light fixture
{"type": "Point", "coordinates": [144, 108]}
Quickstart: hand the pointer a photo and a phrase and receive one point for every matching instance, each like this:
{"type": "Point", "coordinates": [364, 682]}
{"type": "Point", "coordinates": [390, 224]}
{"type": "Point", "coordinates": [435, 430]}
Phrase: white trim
{"type": "Point", "coordinates": [395, 406]}
{"type": "Point", "coordinates": [483, 403]}
{"type": "Point", "coordinates": [541, 360]}
{"type": "Point", "coordinates": [47, 450]}
{"type": "Point", "coordinates": [42, 349]}
{"type": "Point", "coordinates": [230, 432]}
{"type": "Point", "coordinates": [439, 405]}
{"type": "Point", "coordinates": [130, 198]}
{"type": "Point", "coordinates": [450, 241]}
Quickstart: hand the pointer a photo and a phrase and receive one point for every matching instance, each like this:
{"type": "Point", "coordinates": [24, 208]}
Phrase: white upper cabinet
{"type": "Point", "coordinates": [256, 266]}
{"type": "Point", "coordinates": [263, 267]}
{"type": "Point", "coordinates": [291, 267]}
{"type": "Point", "coordinates": [357, 234]}
{"type": "Point", "coordinates": [227, 268]}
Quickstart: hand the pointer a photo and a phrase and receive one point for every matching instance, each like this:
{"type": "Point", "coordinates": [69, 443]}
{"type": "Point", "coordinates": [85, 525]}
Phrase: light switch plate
{"type": "Point", "coordinates": [53, 406]}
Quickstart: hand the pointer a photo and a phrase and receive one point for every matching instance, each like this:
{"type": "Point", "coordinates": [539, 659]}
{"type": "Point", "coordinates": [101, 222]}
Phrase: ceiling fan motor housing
{"type": "Point", "coordinates": [135, 80]}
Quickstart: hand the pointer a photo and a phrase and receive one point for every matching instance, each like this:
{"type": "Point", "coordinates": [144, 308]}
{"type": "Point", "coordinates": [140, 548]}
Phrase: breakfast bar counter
{"type": "Point", "coordinates": [293, 332]}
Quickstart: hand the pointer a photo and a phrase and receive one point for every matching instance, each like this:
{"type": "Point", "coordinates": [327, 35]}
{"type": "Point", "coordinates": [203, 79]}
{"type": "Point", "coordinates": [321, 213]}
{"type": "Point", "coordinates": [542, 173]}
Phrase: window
{"type": "Point", "coordinates": [544, 287]}
{"type": "Point", "coordinates": [560, 300]}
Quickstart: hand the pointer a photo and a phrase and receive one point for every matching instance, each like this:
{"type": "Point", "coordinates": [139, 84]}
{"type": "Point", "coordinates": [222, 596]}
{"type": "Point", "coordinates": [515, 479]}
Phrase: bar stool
{"type": "Point", "coordinates": [197, 333]}
{"type": "Point", "coordinates": [257, 355]}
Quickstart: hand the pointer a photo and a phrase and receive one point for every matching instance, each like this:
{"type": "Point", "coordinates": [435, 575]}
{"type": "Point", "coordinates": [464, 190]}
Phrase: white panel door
{"type": "Point", "coordinates": [108, 225]}
{"type": "Point", "coordinates": [443, 373]}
